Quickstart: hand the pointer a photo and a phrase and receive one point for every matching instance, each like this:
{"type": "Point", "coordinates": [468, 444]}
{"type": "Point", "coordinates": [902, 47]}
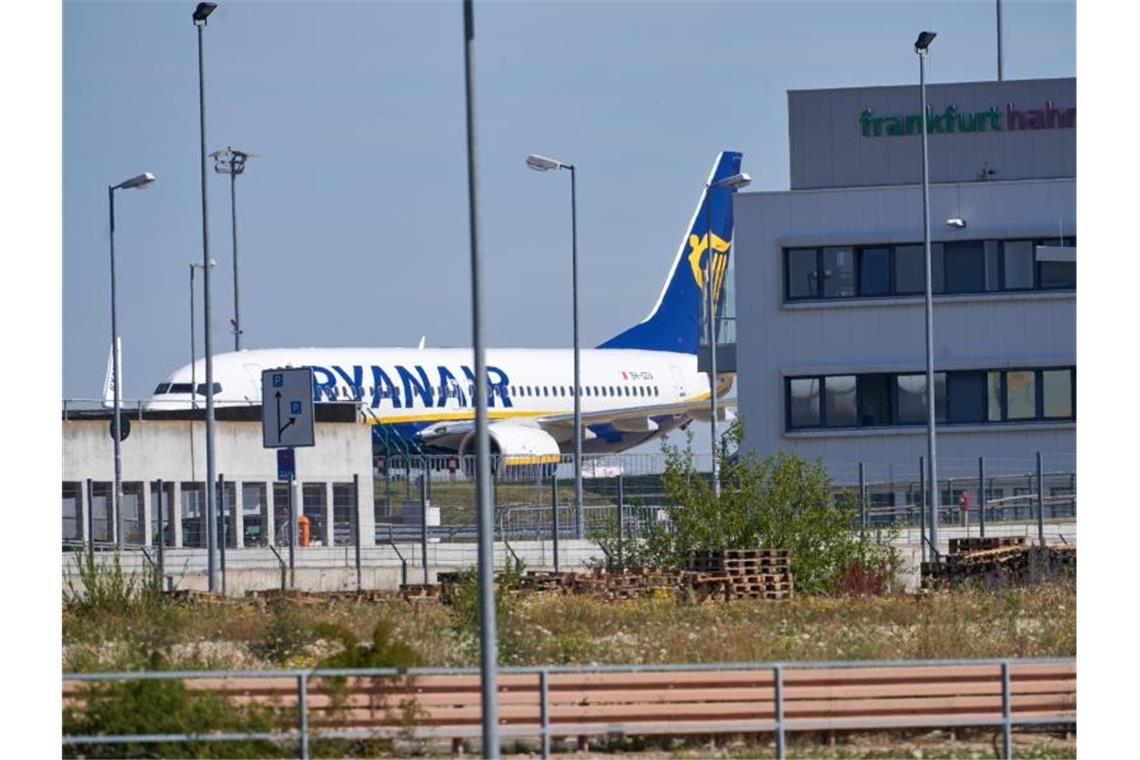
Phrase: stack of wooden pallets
{"type": "Point", "coordinates": [741, 573]}
{"type": "Point", "coordinates": [1006, 558]}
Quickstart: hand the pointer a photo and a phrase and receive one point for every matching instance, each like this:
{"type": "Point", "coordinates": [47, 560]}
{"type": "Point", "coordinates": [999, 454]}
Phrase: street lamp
{"type": "Point", "coordinates": [733, 183]}
{"type": "Point", "coordinates": [232, 162]}
{"type": "Point", "coordinates": [543, 164]}
{"type": "Point", "coordinates": [201, 13]}
{"type": "Point", "coordinates": [921, 46]}
{"type": "Point", "coordinates": [139, 182]}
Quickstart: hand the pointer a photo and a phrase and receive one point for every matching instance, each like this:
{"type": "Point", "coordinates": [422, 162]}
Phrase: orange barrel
{"type": "Point", "coordinates": [303, 530]}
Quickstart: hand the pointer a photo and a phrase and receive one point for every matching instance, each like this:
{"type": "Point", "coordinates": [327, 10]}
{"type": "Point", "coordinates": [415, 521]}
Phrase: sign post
{"type": "Point", "coordinates": [286, 423]}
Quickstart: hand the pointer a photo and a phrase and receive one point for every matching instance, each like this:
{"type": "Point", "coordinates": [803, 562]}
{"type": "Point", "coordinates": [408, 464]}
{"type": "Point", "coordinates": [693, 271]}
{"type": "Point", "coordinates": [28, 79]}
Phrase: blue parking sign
{"type": "Point", "coordinates": [278, 381]}
{"type": "Point", "coordinates": [294, 407]}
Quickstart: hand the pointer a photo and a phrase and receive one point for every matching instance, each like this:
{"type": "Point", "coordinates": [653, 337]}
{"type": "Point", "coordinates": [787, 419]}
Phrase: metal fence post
{"type": "Point", "coordinates": [1006, 713]}
{"type": "Point", "coordinates": [922, 506]}
{"type": "Point", "coordinates": [90, 523]}
{"type": "Point", "coordinates": [982, 495]}
{"type": "Point", "coordinates": [423, 518]}
{"type": "Point", "coordinates": [221, 531]}
{"type": "Point", "coordinates": [778, 684]}
{"type": "Point", "coordinates": [544, 711]}
{"type": "Point", "coordinates": [161, 535]}
{"type": "Point", "coordinates": [292, 534]}
{"type": "Point", "coordinates": [303, 712]}
{"type": "Point", "coordinates": [356, 525]}
{"type": "Point", "coordinates": [862, 502]}
{"type": "Point", "coordinates": [1040, 502]}
{"type": "Point", "coordinates": [554, 514]}
{"type": "Point", "coordinates": [621, 520]}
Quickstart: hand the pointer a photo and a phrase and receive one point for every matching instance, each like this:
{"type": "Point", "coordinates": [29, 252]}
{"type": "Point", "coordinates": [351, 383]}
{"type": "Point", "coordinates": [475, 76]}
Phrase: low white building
{"type": "Point", "coordinates": [166, 449]}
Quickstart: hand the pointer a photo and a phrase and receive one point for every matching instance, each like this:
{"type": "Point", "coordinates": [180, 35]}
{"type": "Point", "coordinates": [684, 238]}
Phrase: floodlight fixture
{"type": "Point", "coordinates": [923, 41]}
{"type": "Point", "coordinates": [203, 11]}
{"type": "Point", "coordinates": [957, 222]}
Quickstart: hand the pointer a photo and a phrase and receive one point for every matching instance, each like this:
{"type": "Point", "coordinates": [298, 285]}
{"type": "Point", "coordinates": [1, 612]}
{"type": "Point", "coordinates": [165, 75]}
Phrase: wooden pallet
{"type": "Point", "coordinates": [978, 543]}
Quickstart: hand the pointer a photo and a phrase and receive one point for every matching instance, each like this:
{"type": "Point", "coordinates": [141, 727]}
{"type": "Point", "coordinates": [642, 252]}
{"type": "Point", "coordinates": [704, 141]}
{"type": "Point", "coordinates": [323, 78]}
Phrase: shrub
{"type": "Point", "coordinates": [105, 590]}
{"type": "Point", "coordinates": [780, 502]}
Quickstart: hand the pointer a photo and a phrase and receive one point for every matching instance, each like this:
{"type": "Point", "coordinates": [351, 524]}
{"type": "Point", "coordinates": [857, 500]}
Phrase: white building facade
{"type": "Point", "coordinates": [830, 280]}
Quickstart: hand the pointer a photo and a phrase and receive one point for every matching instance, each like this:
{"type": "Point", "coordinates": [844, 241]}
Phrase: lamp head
{"type": "Point", "coordinates": [735, 182]}
{"type": "Point", "coordinates": [203, 11]}
{"type": "Point", "coordinates": [956, 222]}
{"type": "Point", "coordinates": [923, 41]}
{"type": "Point", "coordinates": [542, 163]}
{"type": "Point", "coordinates": [142, 180]}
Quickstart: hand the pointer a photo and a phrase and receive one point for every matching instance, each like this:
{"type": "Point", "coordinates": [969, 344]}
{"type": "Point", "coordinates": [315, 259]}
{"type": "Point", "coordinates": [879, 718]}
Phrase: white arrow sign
{"type": "Point", "coordinates": [287, 407]}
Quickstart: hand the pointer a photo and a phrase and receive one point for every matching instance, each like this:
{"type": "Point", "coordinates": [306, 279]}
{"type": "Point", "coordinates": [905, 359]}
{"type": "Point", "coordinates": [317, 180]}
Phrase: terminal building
{"type": "Point", "coordinates": [829, 280]}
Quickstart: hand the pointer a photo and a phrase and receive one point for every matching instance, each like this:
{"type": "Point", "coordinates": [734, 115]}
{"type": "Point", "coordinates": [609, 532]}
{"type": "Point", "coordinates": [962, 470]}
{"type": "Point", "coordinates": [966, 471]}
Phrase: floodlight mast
{"type": "Point", "coordinates": [921, 46]}
{"type": "Point", "coordinates": [232, 162]}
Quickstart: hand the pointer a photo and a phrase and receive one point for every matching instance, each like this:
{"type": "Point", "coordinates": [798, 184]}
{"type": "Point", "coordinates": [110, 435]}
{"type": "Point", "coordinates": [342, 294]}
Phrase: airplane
{"type": "Point", "coordinates": [639, 384]}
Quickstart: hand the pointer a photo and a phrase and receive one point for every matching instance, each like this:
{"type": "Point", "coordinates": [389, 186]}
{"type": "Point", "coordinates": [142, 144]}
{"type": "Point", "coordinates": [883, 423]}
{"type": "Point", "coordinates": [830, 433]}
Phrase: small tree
{"type": "Point", "coordinates": [779, 502]}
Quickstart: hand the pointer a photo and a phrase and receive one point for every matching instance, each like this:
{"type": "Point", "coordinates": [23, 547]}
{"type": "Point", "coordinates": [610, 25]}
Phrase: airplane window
{"type": "Point", "coordinates": [627, 390]}
{"type": "Point", "coordinates": [545, 391]}
{"type": "Point", "coordinates": [655, 392]}
{"type": "Point", "coordinates": [201, 388]}
{"type": "Point", "coordinates": [587, 390]}
{"type": "Point", "coordinates": [162, 388]}
{"type": "Point", "coordinates": [641, 390]}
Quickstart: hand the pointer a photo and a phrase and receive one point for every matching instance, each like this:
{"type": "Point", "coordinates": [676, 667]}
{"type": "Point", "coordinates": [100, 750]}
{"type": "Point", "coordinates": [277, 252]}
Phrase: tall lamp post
{"type": "Point", "coordinates": [139, 182]}
{"type": "Point", "coordinates": [921, 46]}
{"type": "Point", "coordinates": [542, 164]}
{"type": "Point", "coordinates": [201, 13]}
{"type": "Point", "coordinates": [231, 161]}
{"type": "Point", "coordinates": [733, 183]}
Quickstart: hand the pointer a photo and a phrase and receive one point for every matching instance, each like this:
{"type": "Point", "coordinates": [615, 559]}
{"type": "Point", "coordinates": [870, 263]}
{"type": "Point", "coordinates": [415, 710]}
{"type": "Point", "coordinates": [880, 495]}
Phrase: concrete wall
{"type": "Point", "coordinates": [829, 145]}
{"type": "Point", "coordinates": [325, 569]}
{"type": "Point", "coordinates": [174, 451]}
{"type": "Point", "coordinates": [777, 339]}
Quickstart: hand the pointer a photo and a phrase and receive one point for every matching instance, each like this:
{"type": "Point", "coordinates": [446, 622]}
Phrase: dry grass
{"type": "Point", "coordinates": [535, 629]}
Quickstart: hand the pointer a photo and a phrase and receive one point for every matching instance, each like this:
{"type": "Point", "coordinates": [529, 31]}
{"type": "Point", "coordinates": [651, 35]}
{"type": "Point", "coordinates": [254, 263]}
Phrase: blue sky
{"type": "Point", "coordinates": [352, 222]}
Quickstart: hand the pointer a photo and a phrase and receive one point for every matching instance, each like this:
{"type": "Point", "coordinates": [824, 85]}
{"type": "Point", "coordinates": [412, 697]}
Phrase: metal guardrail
{"type": "Point", "coordinates": [780, 724]}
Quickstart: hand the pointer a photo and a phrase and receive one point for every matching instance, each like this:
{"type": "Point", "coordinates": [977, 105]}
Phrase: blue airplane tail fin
{"type": "Point", "coordinates": [675, 322]}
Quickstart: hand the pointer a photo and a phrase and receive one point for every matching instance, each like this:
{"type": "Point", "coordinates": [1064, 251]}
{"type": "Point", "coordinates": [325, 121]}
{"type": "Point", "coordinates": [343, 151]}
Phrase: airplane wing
{"type": "Point", "coordinates": [561, 426]}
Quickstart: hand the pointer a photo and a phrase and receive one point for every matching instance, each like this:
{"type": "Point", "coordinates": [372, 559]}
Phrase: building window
{"type": "Point", "coordinates": [314, 498]}
{"type": "Point", "coordinates": [1017, 264]}
{"type": "Point", "coordinates": [838, 272]}
{"type": "Point", "coordinates": [874, 271]}
{"type": "Point", "coordinates": [910, 269]}
{"type": "Point", "coordinates": [970, 397]}
{"type": "Point", "coordinates": [192, 520]}
{"type": "Point", "coordinates": [282, 522]}
{"type": "Point", "coordinates": [874, 400]}
{"type": "Point", "coordinates": [101, 510]}
{"type": "Point", "coordinates": [254, 511]}
{"type": "Point", "coordinates": [965, 263]}
{"type": "Point", "coordinates": [803, 273]}
{"type": "Point", "coordinates": [966, 397]}
{"type": "Point", "coordinates": [912, 398]}
{"type": "Point", "coordinates": [1020, 395]}
{"type": "Point", "coordinates": [803, 402]}
{"type": "Point", "coordinates": [72, 527]}
{"type": "Point", "coordinates": [343, 503]}
{"type": "Point", "coordinates": [169, 524]}
{"type": "Point", "coordinates": [993, 397]}
{"type": "Point", "coordinates": [839, 390]}
{"type": "Point", "coordinates": [1057, 393]}
{"type": "Point", "coordinates": [961, 266]}
{"type": "Point", "coordinates": [132, 506]}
